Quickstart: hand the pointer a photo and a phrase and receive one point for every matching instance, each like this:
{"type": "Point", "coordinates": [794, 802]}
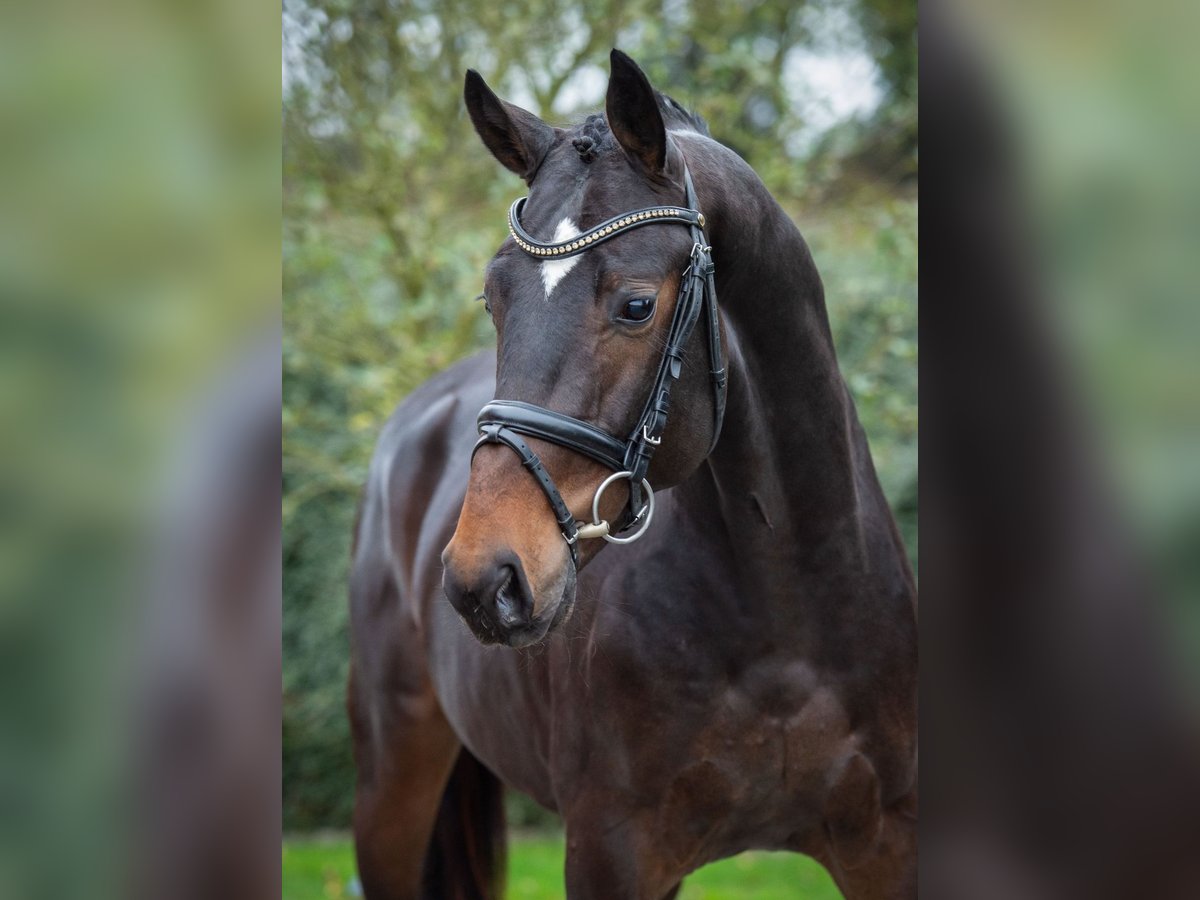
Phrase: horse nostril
{"type": "Point", "coordinates": [510, 606]}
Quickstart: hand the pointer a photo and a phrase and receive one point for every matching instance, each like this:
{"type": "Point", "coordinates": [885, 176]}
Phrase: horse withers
{"type": "Point", "coordinates": [742, 674]}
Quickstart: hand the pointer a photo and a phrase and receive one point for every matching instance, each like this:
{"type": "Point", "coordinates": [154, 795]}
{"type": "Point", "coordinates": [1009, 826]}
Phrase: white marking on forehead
{"type": "Point", "coordinates": [553, 270]}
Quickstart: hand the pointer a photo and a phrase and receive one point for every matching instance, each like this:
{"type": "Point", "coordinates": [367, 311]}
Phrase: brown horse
{"type": "Point", "coordinates": [742, 677]}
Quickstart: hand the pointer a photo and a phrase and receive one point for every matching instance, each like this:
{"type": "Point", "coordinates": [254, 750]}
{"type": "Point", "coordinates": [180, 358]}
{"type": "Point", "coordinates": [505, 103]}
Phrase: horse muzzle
{"type": "Point", "coordinates": [496, 599]}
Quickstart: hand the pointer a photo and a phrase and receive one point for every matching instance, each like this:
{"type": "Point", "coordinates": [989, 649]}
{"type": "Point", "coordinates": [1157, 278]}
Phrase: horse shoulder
{"type": "Point", "coordinates": [413, 491]}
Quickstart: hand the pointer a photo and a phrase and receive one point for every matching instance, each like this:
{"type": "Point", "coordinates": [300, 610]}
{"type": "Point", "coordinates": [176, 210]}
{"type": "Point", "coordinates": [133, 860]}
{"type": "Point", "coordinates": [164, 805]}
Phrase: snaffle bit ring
{"type": "Point", "coordinates": [600, 526]}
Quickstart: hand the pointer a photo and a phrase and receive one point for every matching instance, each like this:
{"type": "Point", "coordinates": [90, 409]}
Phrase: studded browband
{"type": "Point", "coordinates": [602, 232]}
{"type": "Point", "coordinates": [503, 421]}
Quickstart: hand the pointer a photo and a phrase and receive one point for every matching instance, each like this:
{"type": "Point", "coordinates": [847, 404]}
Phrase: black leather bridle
{"type": "Point", "coordinates": [505, 421]}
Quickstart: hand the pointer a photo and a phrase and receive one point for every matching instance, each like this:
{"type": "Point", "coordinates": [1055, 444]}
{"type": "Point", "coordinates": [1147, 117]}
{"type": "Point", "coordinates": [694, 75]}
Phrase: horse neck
{"type": "Point", "coordinates": [791, 473]}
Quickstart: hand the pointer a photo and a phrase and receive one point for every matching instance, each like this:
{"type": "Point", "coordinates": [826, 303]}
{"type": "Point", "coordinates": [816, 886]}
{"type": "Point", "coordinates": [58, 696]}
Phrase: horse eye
{"type": "Point", "coordinates": [487, 305]}
{"type": "Point", "coordinates": [639, 309]}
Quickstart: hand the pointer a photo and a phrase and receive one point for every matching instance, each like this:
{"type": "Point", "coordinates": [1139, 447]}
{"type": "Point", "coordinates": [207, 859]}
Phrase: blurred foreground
{"type": "Point", "coordinates": [1059, 454]}
{"type": "Point", "coordinates": [139, 404]}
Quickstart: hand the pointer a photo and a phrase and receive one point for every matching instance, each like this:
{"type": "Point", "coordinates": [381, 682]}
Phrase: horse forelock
{"type": "Point", "coordinates": [592, 137]}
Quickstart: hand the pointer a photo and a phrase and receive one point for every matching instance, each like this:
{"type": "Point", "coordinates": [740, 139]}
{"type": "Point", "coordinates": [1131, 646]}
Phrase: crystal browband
{"type": "Point", "coordinates": [602, 232]}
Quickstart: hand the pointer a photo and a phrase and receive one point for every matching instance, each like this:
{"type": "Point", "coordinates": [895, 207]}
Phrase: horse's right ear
{"type": "Point", "coordinates": [517, 138]}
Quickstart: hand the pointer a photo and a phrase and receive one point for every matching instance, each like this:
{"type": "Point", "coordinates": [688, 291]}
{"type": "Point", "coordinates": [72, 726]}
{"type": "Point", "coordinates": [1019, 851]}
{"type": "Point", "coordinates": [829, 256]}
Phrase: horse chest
{"type": "Point", "coordinates": [743, 763]}
{"type": "Point", "coordinates": [775, 735]}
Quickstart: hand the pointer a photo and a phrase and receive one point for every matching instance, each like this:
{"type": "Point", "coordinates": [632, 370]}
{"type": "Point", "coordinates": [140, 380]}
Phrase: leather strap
{"type": "Point", "coordinates": [539, 422]}
{"type": "Point", "coordinates": [495, 433]}
{"type": "Point", "coordinates": [697, 290]}
{"type": "Point", "coordinates": [717, 369]}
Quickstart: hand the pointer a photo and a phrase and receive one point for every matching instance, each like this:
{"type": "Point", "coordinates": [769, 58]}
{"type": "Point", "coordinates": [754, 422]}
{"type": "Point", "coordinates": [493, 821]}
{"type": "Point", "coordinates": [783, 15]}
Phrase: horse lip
{"type": "Point", "coordinates": [482, 626]}
{"type": "Point", "coordinates": [525, 635]}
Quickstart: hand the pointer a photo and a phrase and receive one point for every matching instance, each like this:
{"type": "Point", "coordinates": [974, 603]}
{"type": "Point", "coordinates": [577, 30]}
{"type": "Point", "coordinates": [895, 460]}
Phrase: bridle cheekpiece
{"type": "Point", "coordinates": [505, 421]}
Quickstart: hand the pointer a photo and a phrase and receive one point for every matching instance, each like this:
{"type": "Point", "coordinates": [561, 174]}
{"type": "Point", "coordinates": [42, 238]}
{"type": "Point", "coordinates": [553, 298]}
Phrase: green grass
{"type": "Point", "coordinates": [323, 869]}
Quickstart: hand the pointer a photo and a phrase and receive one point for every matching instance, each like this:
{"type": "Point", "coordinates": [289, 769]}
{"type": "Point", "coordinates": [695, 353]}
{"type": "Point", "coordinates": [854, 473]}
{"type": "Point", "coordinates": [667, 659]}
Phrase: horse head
{"type": "Point", "coordinates": [589, 346]}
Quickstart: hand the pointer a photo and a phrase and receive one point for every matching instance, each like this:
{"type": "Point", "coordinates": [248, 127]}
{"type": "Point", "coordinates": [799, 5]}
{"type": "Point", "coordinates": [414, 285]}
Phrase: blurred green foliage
{"type": "Point", "coordinates": [139, 255]}
{"type": "Point", "coordinates": [323, 869]}
{"type": "Point", "coordinates": [392, 208]}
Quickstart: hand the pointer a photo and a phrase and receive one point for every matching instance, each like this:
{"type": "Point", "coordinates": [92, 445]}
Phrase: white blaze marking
{"type": "Point", "coordinates": [553, 270]}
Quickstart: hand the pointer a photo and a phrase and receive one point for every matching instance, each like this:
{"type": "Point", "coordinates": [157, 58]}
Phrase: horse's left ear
{"type": "Point", "coordinates": [633, 114]}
